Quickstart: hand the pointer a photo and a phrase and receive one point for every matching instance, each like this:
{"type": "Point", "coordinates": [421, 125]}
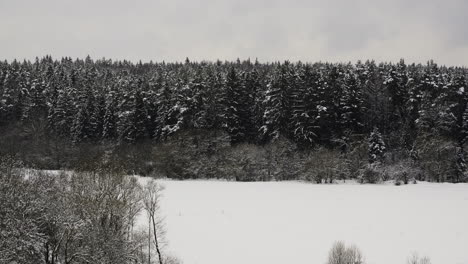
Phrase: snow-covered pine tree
{"type": "Point", "coordinates": [215, 95]}
{"type": "Point", "coordinates": [8, 97]}
{"type": "Point", "coordinates": [396, 81]}
{"type": "Point", "coordinates": [131, 126]}
{"type": "Point", "coordinates": [430, 87]}
{"type": "Point", "coordinates": [83, 124]}
{"type": "Point", "coordinates": [163, 102]}
{"type": "Point", "coordinates": [464, 127]}
{"type": "Point", "coordinates": [139, 115]}
{"type": "Point", "coordinates": [376, 147]}
{"type": "Point", "coordinates": [453, 101]}
{"type": "Point", "coordinates": [109, 130]}
{"type": "Point", "coordinates": [277, 113]}
{"type": "Point", "coordinates": [237, 117]}
{"type": "Point", "coordinates": [31, 91]}
{"type": "Point", "coordinates": [255, 89]}
{"type": "Point", "coordinates": [307, 107]}
{"type": "Point", "coordinates": [97, 116]}
{"type": "Point", "coordinates": [335, 87]}
{"type": "Point", "coordinates": [60, 117]}
{"type": "Point", "coordinates": [174, 117]}
{"type": "Point", "coordinates": [2, 76]}
{"type": "Point", "coordinates": [198, 100]}
{"type": "Point", "coordinates": [351, 105]}
{"type": "Point", "coordinates": [298, 108]}
{"type": "Point", "coordinates": [151, 110]}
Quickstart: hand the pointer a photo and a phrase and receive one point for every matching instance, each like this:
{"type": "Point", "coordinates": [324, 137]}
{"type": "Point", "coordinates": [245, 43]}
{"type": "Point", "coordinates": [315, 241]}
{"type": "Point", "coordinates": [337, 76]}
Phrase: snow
{"type": "Point", "coordinates": [212, 222]}
{"type": "Point", "coordinates": [321, 108]}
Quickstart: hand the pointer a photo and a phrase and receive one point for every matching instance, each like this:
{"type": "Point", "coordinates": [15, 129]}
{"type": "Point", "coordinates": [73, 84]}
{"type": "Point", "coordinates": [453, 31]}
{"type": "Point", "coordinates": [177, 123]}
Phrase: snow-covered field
{"type": "Point", "coordinates": [216, 222]}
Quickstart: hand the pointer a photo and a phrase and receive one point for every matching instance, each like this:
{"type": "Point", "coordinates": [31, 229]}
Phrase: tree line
{"type": "Point", "coordinates": [419, 112]}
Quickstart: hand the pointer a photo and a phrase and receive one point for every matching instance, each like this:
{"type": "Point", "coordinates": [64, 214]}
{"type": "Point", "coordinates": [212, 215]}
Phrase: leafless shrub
{"type": "Point", "coordinates": [340, 254]}
{"type": "Point", "coordinates": [354, 255]}
{"type": "Point", "coordinates": [415, 259]}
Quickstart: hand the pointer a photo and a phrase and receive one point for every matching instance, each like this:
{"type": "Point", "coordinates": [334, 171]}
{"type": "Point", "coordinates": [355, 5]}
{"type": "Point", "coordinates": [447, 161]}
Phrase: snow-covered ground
{"type": "Point", "coordinates": [214, 222]}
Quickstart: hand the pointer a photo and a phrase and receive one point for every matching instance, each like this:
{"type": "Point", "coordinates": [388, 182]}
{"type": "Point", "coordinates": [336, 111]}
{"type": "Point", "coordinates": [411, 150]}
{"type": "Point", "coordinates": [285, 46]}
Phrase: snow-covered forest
{"type": "Point", "coordinates": [83, 127]}
{"type": "Point", "coordinates": [241, 120]}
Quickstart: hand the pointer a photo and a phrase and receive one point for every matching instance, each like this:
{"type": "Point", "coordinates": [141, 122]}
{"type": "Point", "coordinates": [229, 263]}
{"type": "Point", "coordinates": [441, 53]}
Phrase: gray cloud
{"type": "Point", "coordinates": [307, 30]}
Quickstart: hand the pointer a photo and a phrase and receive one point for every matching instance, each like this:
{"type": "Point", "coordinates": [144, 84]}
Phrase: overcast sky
{"type": "Point", "coordinates": [270, 30]}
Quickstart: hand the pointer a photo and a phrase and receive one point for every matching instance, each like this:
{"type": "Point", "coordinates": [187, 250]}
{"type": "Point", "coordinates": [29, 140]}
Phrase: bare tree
{"type": "Point", "coordinates": [414, 259]}
{"type": "Point", "coordinates": [151, 199]}
{"type": "Point", "coordinates": [340, 254]}
{"type": "Point", "coordinates": [425, 260]}
{"type": "Point", "coordinates": [354, 255]}
{"type": "Point", "coordinates": [337, 254]}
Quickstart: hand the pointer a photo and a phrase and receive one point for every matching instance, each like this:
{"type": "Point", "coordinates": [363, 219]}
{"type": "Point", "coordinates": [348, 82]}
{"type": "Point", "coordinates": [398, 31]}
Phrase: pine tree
{"type": "Point", "coordinates": [198, 100]}
{"type": "Point", "coordinates": [80, 125]}
{"type": "Point", "coordinates": [237, 109]}
{"type": "Point", "coordinates": [396, 81]}
{"type": "Point", "coordinates": [255, 91]}
{"type": "Point", "coordinates": [32, 90]}
{"type": "Point", "coordinates": [109, 130]}
{"type": "Point", "coordinates": [178, 108]}
{"type": "Point", "coordinates": [453, 100]}
{"type": "Point", "coordinates": [150, 102]}
{"type": "Point", "coordinates": [97, 117]}
{"type": "Point", "coordinates": [430, 86]}
{"type": "Point", "coordinates": [83, 124]}
{"type": "Point", "coordinates": [8, 102]}
{"type": "Point", "coordinates": [60, 117]}
{"type": "Point", "coordinates": [334, 88]}
{"type": "Point", "coordinates": [164, 99]}
{"type": "Point", "coordinates": [139, 116]}
{"type": "Point", "coordinates": [278, 103]}
{"type": "Point", "coordinates": [133, 117]}
{"type": "Point", "coordinates": [307, 107]}
{"type": "Point", "coordinates": [464, 127]}
{"type": "Point", "coordinates": [376, 147]}
{"type": "Point", "coordinates": [351, 105]}
{"type": "Point", "coordinates": [214, 100]}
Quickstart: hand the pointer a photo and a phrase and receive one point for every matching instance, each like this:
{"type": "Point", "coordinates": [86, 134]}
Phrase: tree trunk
{"type": "Point", "coordinates": [156, 243]}
{"type": "Point", "coordinates": [149, 240]}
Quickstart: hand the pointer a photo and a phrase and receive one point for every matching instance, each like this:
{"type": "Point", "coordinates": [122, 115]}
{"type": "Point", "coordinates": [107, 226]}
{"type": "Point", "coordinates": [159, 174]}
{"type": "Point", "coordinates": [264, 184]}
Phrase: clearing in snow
{"type": "Point", "coordinates": [213, 222]}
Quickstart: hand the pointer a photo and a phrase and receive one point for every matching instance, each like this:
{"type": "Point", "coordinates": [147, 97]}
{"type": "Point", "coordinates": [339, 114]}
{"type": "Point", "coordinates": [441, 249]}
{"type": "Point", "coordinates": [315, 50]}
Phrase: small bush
{"type": "Point", "coordinates": [324, 165]}
{"type": "Point", "coordinates": [402, 172]}
{"type": "Point", "coordinates": [370, 174]}
{"type": "Point", "coordinates": [317, 177]}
